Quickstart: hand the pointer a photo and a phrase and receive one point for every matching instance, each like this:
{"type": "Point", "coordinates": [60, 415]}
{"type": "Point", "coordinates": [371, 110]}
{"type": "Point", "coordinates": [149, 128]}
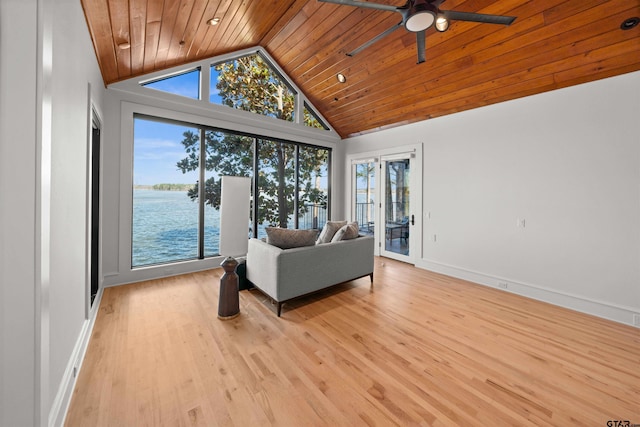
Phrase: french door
{"type": "Point", "coordinates": [397, 212]}
{"type": "Point", "coordinates": [386, 200]}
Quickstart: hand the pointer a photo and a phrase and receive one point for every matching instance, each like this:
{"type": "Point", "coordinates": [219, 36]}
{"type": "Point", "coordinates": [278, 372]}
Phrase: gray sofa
{"type": "Point", "coordinates": [284, 274]}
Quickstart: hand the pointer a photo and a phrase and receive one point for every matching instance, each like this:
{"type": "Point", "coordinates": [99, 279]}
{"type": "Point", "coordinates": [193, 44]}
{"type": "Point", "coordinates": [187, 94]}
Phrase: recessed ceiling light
{"type": "Point", "coordinates": [341, 78]}
{"type": "Point", "coordinates": [124, 45]}
{"type": "Point", "coordinates": [213, 21]}
{"type": "Point", "coordinates": [629, 23]}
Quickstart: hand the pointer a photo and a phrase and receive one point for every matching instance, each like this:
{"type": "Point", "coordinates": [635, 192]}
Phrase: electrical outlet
{"type": "Point", "coordinates": [636, 320]}
{"type": "Point", "coordinates": [503, 285]}
{"type": "Point", "coordinates": [75, 371]}
{"type": "Point", "coordinates": [521, 223]}
{"type": "Point", "coordinates": [434, 238]}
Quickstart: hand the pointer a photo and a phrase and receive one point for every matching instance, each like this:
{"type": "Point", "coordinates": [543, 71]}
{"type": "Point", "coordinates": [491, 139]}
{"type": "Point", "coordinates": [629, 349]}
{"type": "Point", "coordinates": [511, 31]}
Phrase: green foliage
{"type": "Point", "coordinates": [311, 121]}
{"type": "Point", "coordinates": [173, 187]}
{"type": "Point", "coordinates": [249, 84]}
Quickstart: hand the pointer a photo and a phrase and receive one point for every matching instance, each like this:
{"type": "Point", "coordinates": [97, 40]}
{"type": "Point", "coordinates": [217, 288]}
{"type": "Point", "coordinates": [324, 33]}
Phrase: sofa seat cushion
{"type": "Point", "coordinates": [286, 238]}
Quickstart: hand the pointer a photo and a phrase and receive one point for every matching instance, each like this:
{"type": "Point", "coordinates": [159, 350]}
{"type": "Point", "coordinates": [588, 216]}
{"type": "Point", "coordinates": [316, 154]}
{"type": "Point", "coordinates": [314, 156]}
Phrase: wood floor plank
{"type": "Point", "coordinates": [414, 348]}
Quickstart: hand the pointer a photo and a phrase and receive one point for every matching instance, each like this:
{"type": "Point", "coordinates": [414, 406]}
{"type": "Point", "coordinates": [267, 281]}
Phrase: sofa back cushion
{"type": "Point", "coordinates": [346, 232]}
{"type": "Point", "coordinates": [329, 230]}
{"type": "Point", "coordinates": [286, 238]}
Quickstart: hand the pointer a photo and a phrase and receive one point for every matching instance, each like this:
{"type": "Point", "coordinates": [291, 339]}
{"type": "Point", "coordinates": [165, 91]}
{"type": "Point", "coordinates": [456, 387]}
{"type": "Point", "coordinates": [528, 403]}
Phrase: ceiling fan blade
{"type": "Point", "coordinates": [365, 4]}
{"type": "Point", "coordinates": [421, 42]}
{"type": "Point", "coordinates": [478, 17]}
{"type": "Point", "coordinates": [375, 39]}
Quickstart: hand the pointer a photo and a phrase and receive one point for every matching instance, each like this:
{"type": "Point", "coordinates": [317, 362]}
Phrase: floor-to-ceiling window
{"type": "Point", "coordinates": [175, 218]}
{"type": "Point", "coordinates": [165, 218]}
{"type": "Point", "coordinates": [276, 184]}
{"type": "Point", "coordinates": [178, 166]}
{"type": "Point", "coordinates": [313, 187]}
{"type": "Point", "coordinates": [227, 153]}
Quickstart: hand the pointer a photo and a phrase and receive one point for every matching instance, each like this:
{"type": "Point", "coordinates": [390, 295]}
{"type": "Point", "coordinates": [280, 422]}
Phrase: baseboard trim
{"type": "Point", "coordinates": [61, 403]}
{"type": "Point", "coordinates": [579, 303]}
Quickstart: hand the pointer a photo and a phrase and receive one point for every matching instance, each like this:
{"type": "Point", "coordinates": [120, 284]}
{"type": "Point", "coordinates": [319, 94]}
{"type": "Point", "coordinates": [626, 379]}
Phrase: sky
{"type": "Point", "coordinates": [157, 147]}
{"type": "Point", "coordinates": [157, 150]}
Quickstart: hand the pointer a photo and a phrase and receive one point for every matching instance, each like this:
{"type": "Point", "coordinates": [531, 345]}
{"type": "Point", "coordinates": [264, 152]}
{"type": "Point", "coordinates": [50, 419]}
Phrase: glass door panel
{"type": "Point", "coordinates": [396, 208]}
{"type": "Point", "coordinates": [365, 194]}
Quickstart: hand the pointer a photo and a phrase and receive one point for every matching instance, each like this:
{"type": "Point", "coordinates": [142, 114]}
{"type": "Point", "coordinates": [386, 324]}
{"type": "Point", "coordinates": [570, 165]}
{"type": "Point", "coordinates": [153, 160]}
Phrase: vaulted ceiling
{"type": "Point", "coordinates": [552, 44]}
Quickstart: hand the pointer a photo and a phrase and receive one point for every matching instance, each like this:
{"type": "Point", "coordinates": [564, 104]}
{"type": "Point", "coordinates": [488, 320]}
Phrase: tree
{"type": "Point", "coordinates": [249, 84]}
{"type": "Point", "coordinates": [365, 171]}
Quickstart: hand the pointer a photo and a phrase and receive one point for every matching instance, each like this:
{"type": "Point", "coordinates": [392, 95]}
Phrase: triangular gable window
{"type": "Point", "coordinates": [312, 119]}
{"type": "Point", "coordinates": [184, 84]}
{"type": "Point", "coordinates": [250, 83]}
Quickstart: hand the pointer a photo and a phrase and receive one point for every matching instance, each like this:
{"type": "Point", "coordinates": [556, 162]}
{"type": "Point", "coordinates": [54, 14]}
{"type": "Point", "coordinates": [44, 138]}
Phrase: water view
{"type": "Point", "coordinates": [165, 227]}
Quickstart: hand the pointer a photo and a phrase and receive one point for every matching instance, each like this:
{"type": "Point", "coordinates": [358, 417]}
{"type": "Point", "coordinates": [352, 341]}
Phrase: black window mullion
{"type": "Point", "coordinates": [296, 192]}
{"type": "Point", "coordinates": [329, 178]}
{"type": "Point", "coordinates": [254, 207]}
{"type": "Point", "coordinates": [201, 192]}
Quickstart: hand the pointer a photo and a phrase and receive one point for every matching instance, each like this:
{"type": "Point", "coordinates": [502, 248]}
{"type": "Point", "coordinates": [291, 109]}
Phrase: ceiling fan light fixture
{"type": "Point", "coordinates": [420, 17]}
{"type": "Point", "coordinates": [442, 23]}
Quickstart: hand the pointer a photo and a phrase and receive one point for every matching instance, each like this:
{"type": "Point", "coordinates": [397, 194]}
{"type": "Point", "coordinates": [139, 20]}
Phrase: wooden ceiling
{"type": "Point", "coordinates": [552, 44]}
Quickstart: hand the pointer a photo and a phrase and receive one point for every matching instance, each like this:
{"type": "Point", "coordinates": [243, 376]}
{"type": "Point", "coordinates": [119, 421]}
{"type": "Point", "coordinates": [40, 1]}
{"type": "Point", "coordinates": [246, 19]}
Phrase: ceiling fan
{"type": "Point", "coordinates": [420, 15]}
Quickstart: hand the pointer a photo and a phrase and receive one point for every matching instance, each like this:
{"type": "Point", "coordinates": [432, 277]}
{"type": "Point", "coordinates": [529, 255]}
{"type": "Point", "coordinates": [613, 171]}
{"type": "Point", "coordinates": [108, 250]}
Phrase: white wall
{"type": "Point", "coordinates": [18, 28]}
{"type": "Point", "coordinates": [75, 74]}
{"type": "Point", "coordinates": [46, 64]}
{"type": "Point", "coordinates": [568, 163]}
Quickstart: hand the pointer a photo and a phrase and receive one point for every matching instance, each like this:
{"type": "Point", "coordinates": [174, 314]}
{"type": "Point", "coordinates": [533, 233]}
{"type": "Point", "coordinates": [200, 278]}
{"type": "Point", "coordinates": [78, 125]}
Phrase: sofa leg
{"type": "Point", "coordinates": [279, 307]}
{"type": "Point", "coordinates": [371, 276]}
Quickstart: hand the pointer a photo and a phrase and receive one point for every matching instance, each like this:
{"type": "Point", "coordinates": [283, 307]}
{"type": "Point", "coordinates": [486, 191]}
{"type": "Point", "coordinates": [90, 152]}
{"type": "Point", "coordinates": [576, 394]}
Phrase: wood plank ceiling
{"type": "Point", "coordinates": [552, 44]}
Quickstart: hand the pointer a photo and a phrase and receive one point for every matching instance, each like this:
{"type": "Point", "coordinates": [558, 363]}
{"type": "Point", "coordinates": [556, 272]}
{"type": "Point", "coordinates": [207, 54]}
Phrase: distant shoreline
{"type": "Point", "coordinates": [165, 187]}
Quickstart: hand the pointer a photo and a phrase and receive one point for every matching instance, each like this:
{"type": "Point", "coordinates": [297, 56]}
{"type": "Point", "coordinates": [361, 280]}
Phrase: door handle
{"type": "Point", "coordinates": [413, 222]}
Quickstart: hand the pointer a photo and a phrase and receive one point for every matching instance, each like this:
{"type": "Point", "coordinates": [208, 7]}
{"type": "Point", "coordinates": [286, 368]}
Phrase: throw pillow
{"type": "Point", "coordinates": [329, 230]}
{"type": "Point", "coordinates": [286, 238]}
{"type": "Point", "coordinates": [348, 232]}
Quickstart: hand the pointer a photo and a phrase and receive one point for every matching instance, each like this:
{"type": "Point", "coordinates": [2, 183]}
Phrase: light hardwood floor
{"type": "Point", "coordinates": [416, 348]}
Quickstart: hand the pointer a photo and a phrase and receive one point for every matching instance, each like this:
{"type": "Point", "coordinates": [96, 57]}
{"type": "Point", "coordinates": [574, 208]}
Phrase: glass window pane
{"type": "Point", "coordinates": [276, 185]}
{"type": "Point", "coordinates": [313, 169]}
{"type": "Point", "coordinates": [311, 119]}
{"type": "Point", "coordinates": [227, 154]}
{"type": "Point", "coordinates": [165, 215]}
{"type": "Point", "coordinates": [186, 84]}
{"type": "Point", "coordinates": [397, 190]}
{"type": "Point", "coordinates": [397, 209]}
{"type": "Point", "coordinates": [250, 83]}
{"type": "Point", "coordinates": [365, 196]}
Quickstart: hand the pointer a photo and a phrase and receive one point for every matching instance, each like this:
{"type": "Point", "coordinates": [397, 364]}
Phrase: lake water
{"type": "Point", "coordinates": [165, 227]}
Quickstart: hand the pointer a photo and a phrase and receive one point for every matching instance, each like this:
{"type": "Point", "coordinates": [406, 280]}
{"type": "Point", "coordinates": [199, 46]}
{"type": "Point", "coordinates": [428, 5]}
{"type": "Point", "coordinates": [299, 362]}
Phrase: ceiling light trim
{"type": "Point", "coordinates": [629, 23]}
{"type": "Point", "coordinates": [420, 17]}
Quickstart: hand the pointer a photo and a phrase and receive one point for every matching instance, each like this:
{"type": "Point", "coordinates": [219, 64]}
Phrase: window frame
{"type": "Point", "coordinates": [203, 128]}
{"type": "Point", "coordinates": [135, 86]}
